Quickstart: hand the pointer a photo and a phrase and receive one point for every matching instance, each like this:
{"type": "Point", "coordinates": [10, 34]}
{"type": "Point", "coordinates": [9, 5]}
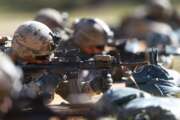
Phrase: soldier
{"type": "Point", "coordinates": [156, 11]}
{"type": "Point", "coordinates": [156, 80]}
{"type": "Point", "coordinates": [10, 83]}
{"type": "Point", "coordinates": [90, 38]}
{"type": "Point", "coordinates": [166, 41]}
{"type": "Point", "coordinates": [151, 34]}
{"type": "Point", "coordinates": [162, 11]}
{"type": "Point", "coordinates": [33, 43]}
{"type": "Point", "coordinates": [56, 21]}
{"type": "Point", "coordinates": [153, 11]}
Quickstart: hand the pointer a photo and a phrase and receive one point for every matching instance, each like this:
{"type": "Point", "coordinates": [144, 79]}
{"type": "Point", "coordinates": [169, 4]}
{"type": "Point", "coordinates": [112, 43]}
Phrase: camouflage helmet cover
{"type": "Point", "coordinates": [163, 7]}
{"type": "Point", "coordinates": [51, 17]}
{"type": "Point", "coordinates": [91, 32]}
{"type": "Point", "coordinates": [32, 39]}
{"type": "Point", "coordinates": [161, 33]}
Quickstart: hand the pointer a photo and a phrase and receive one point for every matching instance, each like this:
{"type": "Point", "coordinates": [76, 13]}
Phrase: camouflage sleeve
{"type": "Point", "coordinates": [44, 87]}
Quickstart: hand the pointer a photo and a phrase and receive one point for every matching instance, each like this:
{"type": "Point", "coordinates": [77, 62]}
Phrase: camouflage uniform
{"type": "Point", "coordinates": [32, 43]}
{"type": "Point", "coordinates": [152, 78]}
{"type": "Point", "coordinates": [153, 35]}
{"type": "Point", "coordinates": [156, 80]}
{"type": "Point", "coordinates": [86, 34]}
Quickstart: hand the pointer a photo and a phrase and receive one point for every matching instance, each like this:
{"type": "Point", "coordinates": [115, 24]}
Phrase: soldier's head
{"type": "Point", "coordinates": [166, 41]}
{"type": "Point", "coordinates": [161, 35]}
{"type": "Point", "coordinates": [10, 84]}
{"type": "Point", "coordinates": [91, 35]}
{"type": "Point", "coordinates": [159, 8]}
{"type": "Point", "coordinates": [32, 42]}
{"type": "Point", "coordinates": [52, 18]}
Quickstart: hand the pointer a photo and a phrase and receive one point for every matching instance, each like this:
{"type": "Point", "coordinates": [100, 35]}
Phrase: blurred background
{"type": "Point", "coordinates": [14, 12]}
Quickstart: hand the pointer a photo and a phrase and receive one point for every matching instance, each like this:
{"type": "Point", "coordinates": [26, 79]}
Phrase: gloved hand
{"type": "Point", "coordinates": [47, 85]}
{"type": "Point", "coordinates": [48, 82]}
{"type": "Point", "coordinates": [102, 83]}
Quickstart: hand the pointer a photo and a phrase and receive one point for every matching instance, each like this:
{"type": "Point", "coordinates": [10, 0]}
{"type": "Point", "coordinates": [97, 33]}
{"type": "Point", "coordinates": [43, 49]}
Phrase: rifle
{"type": "Point", "coordinates": [86, 65]}
{"type": "Point", "coordinates": [105, 63]}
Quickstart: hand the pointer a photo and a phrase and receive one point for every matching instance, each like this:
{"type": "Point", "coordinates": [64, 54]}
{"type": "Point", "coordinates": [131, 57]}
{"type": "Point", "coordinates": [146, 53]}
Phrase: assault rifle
{"type": "Point", "coordinates": [100, 62]}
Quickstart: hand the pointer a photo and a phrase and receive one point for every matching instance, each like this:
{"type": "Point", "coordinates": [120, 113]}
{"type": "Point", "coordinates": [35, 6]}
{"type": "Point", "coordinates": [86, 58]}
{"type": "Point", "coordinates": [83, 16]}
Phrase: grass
{"type": "Point", "coordinates": [176, 64]}
{"type": "Point", "coordinates": [112, 14]}
{"type": "Point", "coordinates": [9, 20]}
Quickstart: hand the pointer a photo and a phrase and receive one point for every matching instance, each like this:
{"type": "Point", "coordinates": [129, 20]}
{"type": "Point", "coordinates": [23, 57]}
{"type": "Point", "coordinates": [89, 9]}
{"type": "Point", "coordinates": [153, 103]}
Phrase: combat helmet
{"type": "Point", "coordinates": [52, 18]}
{"type": "Point", "coordinates": [161, 34]}
{"type": "Point", "coordinates": [159, 8]}
{"type": "Point", "coordinates": [91, 32]}
{"type": "Point", "coordinates": [117, 98]}
{"type": "Point", "coordinates": [32, 40]}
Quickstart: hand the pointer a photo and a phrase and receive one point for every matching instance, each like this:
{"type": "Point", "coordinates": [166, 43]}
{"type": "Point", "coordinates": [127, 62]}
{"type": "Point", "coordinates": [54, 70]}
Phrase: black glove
{"type": "Point", "coordinates": [101, 84]}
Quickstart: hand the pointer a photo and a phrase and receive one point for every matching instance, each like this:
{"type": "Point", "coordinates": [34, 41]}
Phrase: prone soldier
{"type": "Point", "coordinates": [32, 43]}
{"type": "Point", "coordinates": [90, 38]}
{"type": "Point", "coordinates": [56, 21]}
{"type": "Point", "coordinates": [152, 11]}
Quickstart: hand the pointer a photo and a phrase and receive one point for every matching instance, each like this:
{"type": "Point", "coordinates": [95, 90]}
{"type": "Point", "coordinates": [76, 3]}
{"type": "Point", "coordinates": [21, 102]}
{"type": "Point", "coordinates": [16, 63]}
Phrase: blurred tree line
{"type": "Point", "coordinates": [58, 4]}
{"type": "Point", "coordinates": [61, 4]}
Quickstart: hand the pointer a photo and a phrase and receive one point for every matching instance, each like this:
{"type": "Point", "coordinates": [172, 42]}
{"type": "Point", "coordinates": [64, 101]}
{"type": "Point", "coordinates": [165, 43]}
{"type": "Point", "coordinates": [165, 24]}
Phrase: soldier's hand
{"type": "Point", "coordinates": [103, 58]}
{"type": "Point", "coordinates": [101, 84]}
{"type": "Point", "coordinates": [49, 81]}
